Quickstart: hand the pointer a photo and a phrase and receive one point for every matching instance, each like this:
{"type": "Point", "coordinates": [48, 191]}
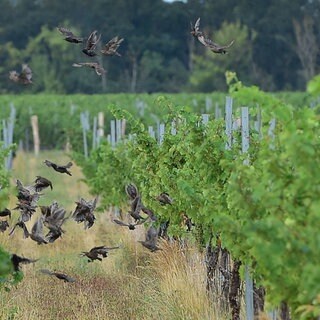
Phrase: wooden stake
{"type": "Point", "coordinates": [35, 132]}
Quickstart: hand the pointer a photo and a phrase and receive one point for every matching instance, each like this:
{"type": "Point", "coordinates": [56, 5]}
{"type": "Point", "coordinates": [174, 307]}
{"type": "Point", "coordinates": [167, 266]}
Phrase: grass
{"type": "Point", "coordinates": [131, 283]}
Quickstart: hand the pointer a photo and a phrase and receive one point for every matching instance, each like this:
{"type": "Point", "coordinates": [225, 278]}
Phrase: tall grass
{"type": "Point", "coordinates": [131, 283]}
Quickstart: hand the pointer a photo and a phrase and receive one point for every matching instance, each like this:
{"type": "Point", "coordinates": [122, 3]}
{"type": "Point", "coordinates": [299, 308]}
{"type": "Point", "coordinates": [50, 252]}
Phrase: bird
{"type": "Point", "coordinates": [59, 168]}
{"type": "Point", "coordinates": [131, 191]}
{"type": "Point", "coordinates": [58, 275]}
{"type": "Point", "coordinates": [84, 212]}
{"type": "Point", "coordinates": [94, 65]}
{"type": "Point", "coordinates": [214, 47]}
{"type": "Point", "coordinates": [164, 198]}
{"type": "Point", "coordinates": [37, 232]}
{"type": "Point", "coordinates": [26, 194]}
{"type": "Point", "coordinates": [110, 48]}
{"type": "Point", "coordinates": [5, 212]}
{"type": "Point", "coordinates": [16, 260]}
{"type": "Point", "coordinates": [42, 183]}
{"type": "Point", "coordinates": [97, 253]}
{"type": "Point", "coordinates": [24, 77]}
{"type": "Point", "coordinates": [135, 210]}
{"type": "Point", "coordinates": [4, 225]}
{"type": "Point", "coordinates": [151, 239]}
{"type": "Point", "coordinates": [131, 226]}
{"type": "Point", "coordinates": [91, 44]}
{"type": "Point", "coordinates": [69, 36]}
{"type": "Point", "coordinates": [22, 225]}
{"type": "Point", "coordinates": [149, 212]}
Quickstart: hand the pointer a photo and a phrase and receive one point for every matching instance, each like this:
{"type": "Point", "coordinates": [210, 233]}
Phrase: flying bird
{"type": "Point", "coordinates": [110, 48]}
{"type": "Point", "coordinates": [59, 168]}
{"type": "Point", "coordinates": [131, 226]}
{"type": "Point", "coordinates": [164, 198]}
{"type": "Point", "coordinates": [98, 253]}
{"type": "Point", "coordinates": [131, 191]}
{"type": "Point", "coordinates": [24, 77]}
{"type": "Point", "coordinates": [91, 44]}
{"type": "Point", "coordinates": [69, 36]}
{"type": "Point", "coordinates": [37, 232]}
{"type": "Point", "coordinates": [42, 183]}
{"type": "Point", "coordinates": [58, 275]}
{"type": "Point", "coordinates": [84, 212]}
{"type": "Point", "coordinates": [16, 260]}
{"type": "Point", "coordinates": [22, 225]}
{"type": "Point", "coordinates": [151, 239]}
{"type": "Point", "coordinates": [94, 65]}
{"type": "Point", "coordinates": [214, 47]}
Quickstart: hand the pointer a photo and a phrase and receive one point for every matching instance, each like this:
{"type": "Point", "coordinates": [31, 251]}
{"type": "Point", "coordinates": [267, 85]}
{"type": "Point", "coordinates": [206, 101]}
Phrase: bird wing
{"type": "Point", "coordinates": [92, 41]}
{"type": "Point", "coordinates": [66, 32]}
{"type": "Point", "coordinates": [26, 73]}
{"type": "Point", "coordinates": [152, 235]}
{"type": "Point", "coordinates": [131, 191]}
{"type": "Point", "coordinates": [37, 228]}
{"type": "Point", "coordinates": [67, 166]}
{"type": "Point", "coordinates": [121, 223]}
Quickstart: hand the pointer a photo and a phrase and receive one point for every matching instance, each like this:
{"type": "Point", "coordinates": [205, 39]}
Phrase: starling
{"type": "Point", "coordinates": [25, 77]}
{"type": "Point", "coordinates": [131, 226]}
{"type": "Point", "coordinates": [37, 232]}
{"type": "Point", "coordinates": [97, 253]}
{"type": "Point", "coordinates": [42, 183]}
{"type": "Point", "coordinates": [4, 225]}
{"type": "Point", "coordinates": [91, 44]}
{"type": "Point", "coordinates": [110, 48]}
{"type": "Point", "coordinates": [164, 198]}
{"type": "Point", "coordinates": [135, 210]}
{"type": "Point", "coordinates": [22, 225]}
{"type": "Point", "coordinates": [132, 191]}
{"type": "Point", "coordinates": [58, 168]}
{"type": "Point", "coordinates": [69, 36]}
{"type": "Point", "coordinates": [16, 260]}
{"type": "Point", "coordinates": [94, 65]}
{"type": "Point", "coordinates": [5, 212]}
{"type": "Point", "coordinates": [214, 47]}
{"type": "Point", "coordinates": [59, 275]}
{"type": "Point", "coordinates": [84, 212]}
{"type": "Point", "coordinates": [151, 239]}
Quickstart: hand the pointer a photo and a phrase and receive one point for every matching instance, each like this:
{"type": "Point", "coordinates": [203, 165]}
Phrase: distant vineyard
{"type": "Point", "coordinates": [59, 115]}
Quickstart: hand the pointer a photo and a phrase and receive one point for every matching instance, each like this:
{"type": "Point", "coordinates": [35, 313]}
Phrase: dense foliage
{"type": "Point", "coordinates": [276, 44]}
{"type": "Point", "coordinates": [265, 213]}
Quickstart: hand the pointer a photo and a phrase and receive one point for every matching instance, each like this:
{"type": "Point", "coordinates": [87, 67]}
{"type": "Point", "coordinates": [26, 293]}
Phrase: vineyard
{"type": "Point", "coordinates": [244, 183]}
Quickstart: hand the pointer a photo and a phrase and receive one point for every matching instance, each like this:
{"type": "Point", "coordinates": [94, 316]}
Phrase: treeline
{"type": "Point", "coordinates": [275, 44]}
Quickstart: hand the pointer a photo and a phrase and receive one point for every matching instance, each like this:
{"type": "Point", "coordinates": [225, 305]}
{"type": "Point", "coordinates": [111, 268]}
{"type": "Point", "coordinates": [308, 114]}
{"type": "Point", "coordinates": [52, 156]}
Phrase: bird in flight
{"type": "Point", "coordinates": [97, 253]}
{"type": "Point", "coordinates": [24, 77]}
{"type": "Point", "coordinates": [94, 65]}
{"type": "Point", "coordinates": [58, 275]}
{"type": "Point", "coordinates": [59, 168]}
{"type": "Point", "coordinates": [214, 47]}
{"type": "Point", "coordinates": [110, 48]}
{"type": "Point", "coordinates": [42, 183]}
{"type": "Point", "coordinates": [91, 44]}
{"type": "Point", "coordinates": [69, 36]}
{"type": "Point", "coordinates": [16, 260]}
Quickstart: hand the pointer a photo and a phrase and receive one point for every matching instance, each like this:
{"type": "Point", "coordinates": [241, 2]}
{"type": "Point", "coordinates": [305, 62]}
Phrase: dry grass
{"type": "Point", "coordinates": [130, 284]}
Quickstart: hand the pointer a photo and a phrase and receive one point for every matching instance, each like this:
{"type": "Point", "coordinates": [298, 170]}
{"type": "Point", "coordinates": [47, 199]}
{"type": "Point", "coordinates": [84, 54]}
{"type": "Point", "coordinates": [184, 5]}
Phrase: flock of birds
{"type": "Point", "coordinates": [110, 49]}
{"type": "Point", "coordinates": [53, 217]}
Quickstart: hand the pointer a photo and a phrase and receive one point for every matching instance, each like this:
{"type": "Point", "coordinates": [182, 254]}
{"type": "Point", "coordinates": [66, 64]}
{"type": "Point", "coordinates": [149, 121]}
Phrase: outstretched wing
{"type": "Point", "coordinates": [92, 40]}
{"type": "Point", "coordinates": [66, 32]}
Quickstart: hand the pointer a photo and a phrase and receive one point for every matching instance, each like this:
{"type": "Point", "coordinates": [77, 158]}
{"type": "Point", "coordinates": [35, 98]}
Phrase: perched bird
{"type": "Point", "coordinates": [131, 226]}
{"type": "Point", "coordinates": [42, 183]}
{"type": "Point", "coordinates": [84, 212]}
{"type": "Point", "coordinates": [214, 47]}
{"type": "Point", "coordinates": [4, 225]}
{"type": "Point", "coordinates": [5, 212]}
{"type": "Point", "coordinates": [131, 191]}
{"type": "Point", "coordinates": [69, 36]}
{"type": "Point", "coordinates": [22, 225]}
{"type": "Point", "coordinates": [59, 275]}
{"type": "Point", "coordinates": [37, 232]}
{"type": "Point", "coordinates": [164, 198]}
{"type": "Point", "coordinates": [25, 77]}
{"type": "Point", "coordinates": [110, 48]}
{"type": "Point", "coordinates": [91, 44]}
{"type": "Point", "coordinates": [97, 253]}
{"type": "Point", "coordinates": [94, 65]}
{"type": "Point", "coordinates": [58, 168]}
{"type": "Point", "coordinates": [16, 260]}
{"type": "Point", "coordinates": [151, 239]}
